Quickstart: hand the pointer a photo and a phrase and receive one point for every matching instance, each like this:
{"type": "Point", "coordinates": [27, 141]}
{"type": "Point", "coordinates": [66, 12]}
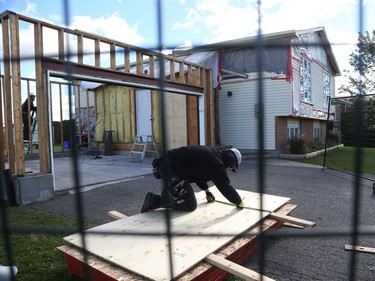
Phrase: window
{"type": "Point", "coordinates": [293, 132]}
{"type": "Point", "coordinates": [316, 131]}
{"type": "Point", "coordinates": [305, 72]}
{"type": "Point", "coordinates": [326, 89]}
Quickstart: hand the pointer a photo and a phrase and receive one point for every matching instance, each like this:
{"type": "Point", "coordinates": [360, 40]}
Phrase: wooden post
{"type": "Point", "coordinates": [42, 100]}
{"type": "Point", "coordinates": [152, 66]}
{"type": "Point", "coordinates": [61, 44]}
{"type": "Point", "coordinates": [139, 63]}
{"type": "Point", "coordinates": [181, 74]}
{"type": "Point", "coordinates": [80, 48]}
{"type": "Point", "coordinates": [172, 76]}
{"type": "Point", "coordinates": [126, 60]}
{"type": "Point", "coordinates": [112, 53]}
{"type": "Point", "coordinates": [97, 52]}
{"type": "Point", "coordinates": [8, 97]}
{"type": "Point", "coordinates": [208, 106]}
{"type": "Point", "coordinates": [2, 158]}
{"type": "Point", "coordinates": [16, 87]}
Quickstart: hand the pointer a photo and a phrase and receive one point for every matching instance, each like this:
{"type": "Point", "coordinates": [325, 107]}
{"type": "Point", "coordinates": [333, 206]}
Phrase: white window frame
{"type": "Point", "coordinates": [293, 131]}
{"type": "Point", "coordinates": [305, 80]}
{"type": "Point", "coordinates": [327, 89]}
{"type": "Point", "coordinates": [317, 131]}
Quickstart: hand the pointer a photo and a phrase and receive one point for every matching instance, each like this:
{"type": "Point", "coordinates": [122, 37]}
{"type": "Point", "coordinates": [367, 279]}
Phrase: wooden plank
{"type": "Point", "coordinates": [8, 97]}
{"type": "Point", "coordinates": [80, 48]}
{"type": "Point", "coordinates": [291, 220]}
{"type": "Point", "coordinates": [16, 92]}
{"type": "Point", "coordinates": [116, 215]}
{"type": "Point", "coordinates": [235, 269]}
{"type": "Point", "coordinates": [360, 249]}
{"type": "Point", "coordinates": [292, 225]}
{"type": "Point", "coordinates": [188, 248]}
{"type": "Point", "coordinates": [97, 53]}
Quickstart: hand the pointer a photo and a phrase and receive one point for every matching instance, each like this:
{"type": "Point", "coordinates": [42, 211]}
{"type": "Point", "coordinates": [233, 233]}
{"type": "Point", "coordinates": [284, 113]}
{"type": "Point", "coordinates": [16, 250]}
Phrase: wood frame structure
{"type": "Point", "coordinates": [68, 61]}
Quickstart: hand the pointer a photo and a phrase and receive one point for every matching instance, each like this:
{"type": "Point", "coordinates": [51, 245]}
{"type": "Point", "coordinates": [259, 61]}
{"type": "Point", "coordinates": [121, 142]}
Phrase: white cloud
{"type": "Point", "coordinates": [30, 8]}
{"type": "Point", "coordinates": [113, 27]}
{"type": "Point", "coordinates": [229, 19]}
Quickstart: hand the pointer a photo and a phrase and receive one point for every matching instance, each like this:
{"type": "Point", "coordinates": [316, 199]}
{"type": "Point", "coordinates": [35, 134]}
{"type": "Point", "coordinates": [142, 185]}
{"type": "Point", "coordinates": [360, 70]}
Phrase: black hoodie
{"type": "Point", "coordinates": [200, 164]}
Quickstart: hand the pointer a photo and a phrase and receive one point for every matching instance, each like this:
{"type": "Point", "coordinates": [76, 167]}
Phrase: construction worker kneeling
{"type": "Point", "coordinates": [193, 164]}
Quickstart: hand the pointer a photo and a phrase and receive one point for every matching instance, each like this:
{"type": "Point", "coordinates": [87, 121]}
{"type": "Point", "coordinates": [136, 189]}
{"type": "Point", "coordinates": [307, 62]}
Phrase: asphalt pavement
{"type": "Point", "coordinates": [324, 196]}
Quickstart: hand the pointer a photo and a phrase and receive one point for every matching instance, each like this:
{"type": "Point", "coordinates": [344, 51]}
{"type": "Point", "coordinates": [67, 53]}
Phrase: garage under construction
{"type": "Point", "coordinates": [78, 56]}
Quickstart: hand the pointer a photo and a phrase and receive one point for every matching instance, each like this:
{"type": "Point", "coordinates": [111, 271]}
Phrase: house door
{"type": "Point", "coordinates": [143, 107]}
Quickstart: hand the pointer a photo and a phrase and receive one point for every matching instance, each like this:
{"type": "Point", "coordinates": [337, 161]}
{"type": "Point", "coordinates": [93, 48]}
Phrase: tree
{"type": "Point", "coordinates": [363, 62]}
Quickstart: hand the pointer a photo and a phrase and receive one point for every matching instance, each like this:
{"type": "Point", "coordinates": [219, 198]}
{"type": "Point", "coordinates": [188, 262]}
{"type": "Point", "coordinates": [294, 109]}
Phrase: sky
{"type": "Point", "coordinates": [197, 22]}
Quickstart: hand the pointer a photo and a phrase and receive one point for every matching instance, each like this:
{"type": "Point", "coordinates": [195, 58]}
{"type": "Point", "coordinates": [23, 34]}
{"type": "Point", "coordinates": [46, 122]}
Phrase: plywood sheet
{"type": "Point", "coordinates": [197, 234]}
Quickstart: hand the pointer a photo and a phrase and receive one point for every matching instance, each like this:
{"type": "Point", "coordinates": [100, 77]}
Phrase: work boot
{"type": "Point", "coordinates": [152, 202]}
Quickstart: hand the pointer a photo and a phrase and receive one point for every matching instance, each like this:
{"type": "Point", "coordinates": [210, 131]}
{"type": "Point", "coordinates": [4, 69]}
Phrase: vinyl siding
{"type": "Point", "coordinates": [317, 86]}
{"type": "Point", "coordinates": [238, 123]}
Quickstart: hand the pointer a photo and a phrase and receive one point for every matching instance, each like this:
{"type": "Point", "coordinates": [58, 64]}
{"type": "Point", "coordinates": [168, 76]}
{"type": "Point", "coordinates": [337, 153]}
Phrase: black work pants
{"type": "Point", "coordinates": [177, 193]}
{"type": "Point", "coordinates": [25, 119]}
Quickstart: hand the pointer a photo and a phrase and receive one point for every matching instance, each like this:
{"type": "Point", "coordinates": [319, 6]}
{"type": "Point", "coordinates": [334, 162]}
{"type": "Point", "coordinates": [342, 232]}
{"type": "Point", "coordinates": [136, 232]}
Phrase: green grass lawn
{"type": "Point", "coordinates": [344, 159]}
{"type": "Point", "coordinates": [35, 254]}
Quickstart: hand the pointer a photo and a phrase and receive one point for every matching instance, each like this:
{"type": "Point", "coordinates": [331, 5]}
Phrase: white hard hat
{"type": "Point", "coordinates": [238, 156]}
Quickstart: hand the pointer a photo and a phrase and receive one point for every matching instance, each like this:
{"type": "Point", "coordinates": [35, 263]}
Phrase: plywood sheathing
{"type": "Point", "coordinates": [215, 224]}
{"type": "Point", "coordinates": [239, 250]}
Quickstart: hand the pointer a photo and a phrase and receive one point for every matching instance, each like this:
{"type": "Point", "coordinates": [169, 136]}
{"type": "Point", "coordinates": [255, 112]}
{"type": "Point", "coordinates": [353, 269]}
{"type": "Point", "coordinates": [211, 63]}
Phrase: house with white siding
{"type": "Point", "coordinates": [293, 71]}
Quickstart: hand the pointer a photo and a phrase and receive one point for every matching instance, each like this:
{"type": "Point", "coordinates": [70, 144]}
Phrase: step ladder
{"type": "Point", "coordinates": [140, 146]}
{"type": "Point", "coordinates": [34, 135]}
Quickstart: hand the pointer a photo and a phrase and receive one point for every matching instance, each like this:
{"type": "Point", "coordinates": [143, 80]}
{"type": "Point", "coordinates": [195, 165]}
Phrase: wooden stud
{"type": "Point", "coordinates": [139, 63]}
{"type": "Point", "coordinates": [8, 96]}
{"type": "Point", "coordinates": [112, 52]}
{"type": "Point", "coordinates": [181, 74]}
{"type": "Point", "coordinates": [116, 215]}
{"type": "Point", "coordinates": [61, 41]}
{"type": "Point", "coordinates": [126, 60]}
{"type": "Point", "coordinates": [16, 91]}
{"type": "Point", "coordinates": [172, 76]}
{"type": "Point", "coordinates": [151, 64]}
{"type": "Point", "coordinates": [97, 52]}
{"type": "Point", "coordinates": [291, 220]}
{"type": "Point", "coordinates": [42, 99]}
{"type": "Point", "coordinates": [235, 269]}
{"type": "Point", "coordinates": [80, 48]}
{"type": "Point", "coordinates": [360, 249]}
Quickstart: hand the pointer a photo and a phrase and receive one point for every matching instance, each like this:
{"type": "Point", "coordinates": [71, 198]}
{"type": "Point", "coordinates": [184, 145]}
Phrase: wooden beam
{"type": "Point", "coordinates": [235, 269]}
{"type": "Point", "coordinates": [61, 41]}
{"type": "Point", "coordinates": [16, 93]}
{"type": "Point", "coordinates": [112, 53]}
{"type": "Point", "coordinates": [360, 249]}
{"type": "Point", "coordinates": [126, 60]}
{"type": "Point", "coordinates": [92, 71]}
{"type": "Point", "coordinates": [80, 48]}
{"type": "Point", "coordinates": [42, 100]}
{"type": "Point", "coordinates": [291, 220]}
{"type": "Point", "coordinates": [8, 96]}
{"type": "Point", "coordinates": [116, 215]}
{"type": "Point", "coordinates": [97, 52]}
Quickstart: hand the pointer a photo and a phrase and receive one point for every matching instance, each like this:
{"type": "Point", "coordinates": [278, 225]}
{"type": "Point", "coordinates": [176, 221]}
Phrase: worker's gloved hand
{"type": "Point", "coordinates": [210, 197]}
{"type": "Point", "coordinates": [241, 205]}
